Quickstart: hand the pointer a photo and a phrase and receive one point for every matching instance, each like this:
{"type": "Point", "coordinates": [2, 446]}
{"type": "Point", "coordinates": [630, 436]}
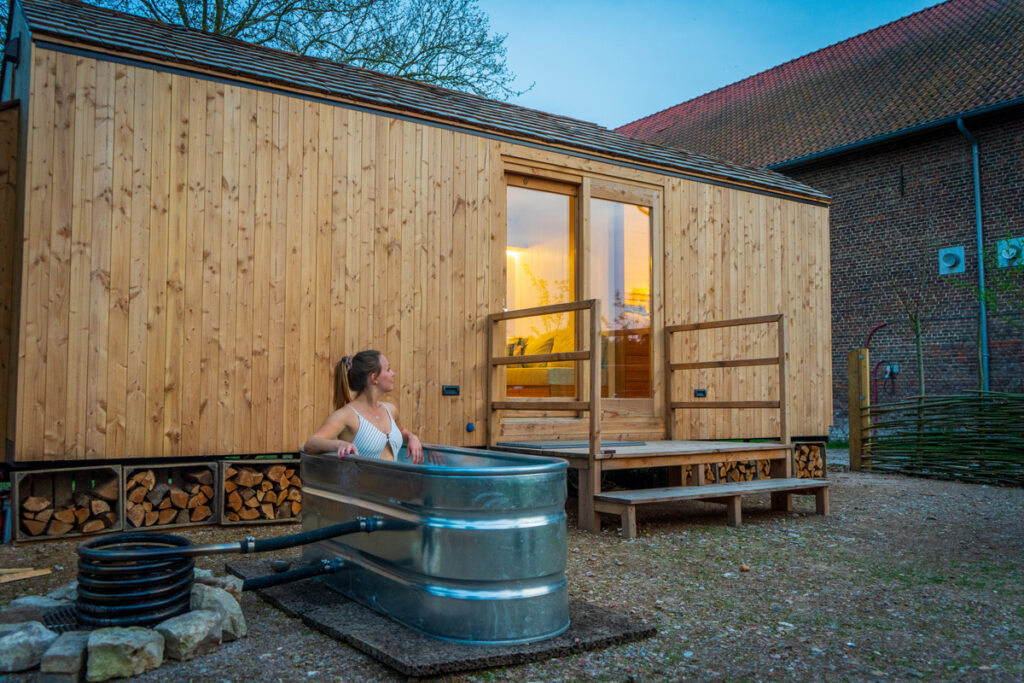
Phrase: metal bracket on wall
{"type": "Point", "coordinates": [1011, 252]}
{"type": "Point", "coordinates": [951, 260]}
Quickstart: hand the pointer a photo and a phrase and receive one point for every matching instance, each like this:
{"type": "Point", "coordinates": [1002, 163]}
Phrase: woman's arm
{"type": "Point", "coordinates": [325, 439]}
{"type": "Point", "coordinates": [408, 438]}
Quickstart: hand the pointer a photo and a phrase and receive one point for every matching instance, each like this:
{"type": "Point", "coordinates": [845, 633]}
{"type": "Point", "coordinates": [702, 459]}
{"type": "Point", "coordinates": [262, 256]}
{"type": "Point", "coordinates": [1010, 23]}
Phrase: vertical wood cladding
{"type": "Point", "coordinates": [199, 254]}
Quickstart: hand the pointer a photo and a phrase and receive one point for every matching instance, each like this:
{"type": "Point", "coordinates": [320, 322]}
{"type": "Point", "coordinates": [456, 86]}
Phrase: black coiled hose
{"type": "Point", "coordinates": [141, 579]}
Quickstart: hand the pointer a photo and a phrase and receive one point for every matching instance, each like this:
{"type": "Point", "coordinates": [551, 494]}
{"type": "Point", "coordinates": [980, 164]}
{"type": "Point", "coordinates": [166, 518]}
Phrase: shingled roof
{"type": "Point", "coordinates": [185, 48]}
{"type": "Point", "coordinates": [957, 58]}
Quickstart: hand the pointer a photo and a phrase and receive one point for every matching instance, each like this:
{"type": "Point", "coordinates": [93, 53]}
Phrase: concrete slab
{"type": "Point", "coordinates": [414, 654]}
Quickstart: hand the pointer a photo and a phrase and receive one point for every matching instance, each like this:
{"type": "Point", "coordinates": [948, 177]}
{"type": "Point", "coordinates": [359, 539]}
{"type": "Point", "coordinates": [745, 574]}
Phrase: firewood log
{"type": "Point", "coordinates": [107, 491]}
{"type": "Point", "coordinates": [296, 507]}
{"type": "Point", "coordinates": [148, 480]}
{"type": "Point", "coordinates": [230, 472]}
{"type": "Point", "coordinates": [207, 491]}
{"type": "Point", "coordinates": [167, 515]}
{"type": "Point", "coordinates": [44, 515]}
{"type": "Point", "coordinates": [199, 513]}
{"type": "Point", "coordinates": [268, 511]}
{"type": "Point", "coordinates": [109, 518]}
{"type": "Point", "coordinates": [58, 528]}
{"type": "Point", "coordinates": [35, 504]}
{"type": "Point", "coordinates": [295, 495]}
{"type": "Point", "coordinates": [202, 476]}
{"type": "Point", "coordinates": [247, 493]}
{"type": "Point", "coordinates": [34, 527]}
{"type": "Point", "coordinates": [136, 513]}
{"type": "Point", "coordinates": [157, 493]}
{"type": "Point", "coordinates": [229, 486]}
{"type": "Point", "coordinates": [275, 473]}
{"type": "Point", "coordinates": [235, 501]}
{"type": "Point", "coordinates": [283, 510]}
{"type": "Point", "coordinates": [92, 526]}
{"type": "Point", "coordinates": [81, 514]}
{"type": "Point", "coordinates": [270, 497]}
{"type": "Point", "coordinates": [151, 517]}
{"type": "Point", "coordinates": [248, 514]}
{"type": "Point", "coordinates": [252, 502]}
{"type": "Point", "coordinates": [178, 497]}
{"type": "Point", "coordinates": [289, 473]}
{"type": "Point", "coordinates": [98, 506]}
{"type": "Point", "coordinates": [137, 494]}
{"type": "Point", "coordinates": [182, 517]}
{"type": "Point", "coordinates": [165, 504]}
{"type": "Point", "coordinates": [233, 517]}
{"type": "Point", "coordinates": [66, 515]}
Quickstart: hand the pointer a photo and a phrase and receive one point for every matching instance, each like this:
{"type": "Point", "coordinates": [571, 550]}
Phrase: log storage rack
{"type": "Point", "coordinates": [68, 502]}
{"type": "Point", "coordinates": [162, 497]}
{"type": "Point", "coordinates": [260, 491]}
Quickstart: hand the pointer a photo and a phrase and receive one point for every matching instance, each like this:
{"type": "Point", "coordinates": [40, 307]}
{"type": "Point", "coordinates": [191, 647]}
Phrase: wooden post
{"type": "Point", "coordinates": [858, 377]}
{"type": "Point", "coordinates": [492, 371]}
{"type": "Point", "coordinates": [595, 379]}
{"type": "Point", "coordinates": [670, 414]}
{"type": "Point", "coordinates": [783, 399]}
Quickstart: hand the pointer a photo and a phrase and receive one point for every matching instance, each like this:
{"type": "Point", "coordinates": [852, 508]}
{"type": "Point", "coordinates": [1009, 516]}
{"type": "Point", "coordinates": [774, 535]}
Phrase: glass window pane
{"type": "Point", "coordinates": [620, 267]}
{"type": "Point", "coordinates": [539, 272]}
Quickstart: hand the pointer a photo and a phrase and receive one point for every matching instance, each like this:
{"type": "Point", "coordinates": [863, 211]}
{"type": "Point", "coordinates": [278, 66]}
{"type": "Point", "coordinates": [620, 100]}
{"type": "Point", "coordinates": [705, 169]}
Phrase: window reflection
{"type": "Point", "coordinates": [620, 267]}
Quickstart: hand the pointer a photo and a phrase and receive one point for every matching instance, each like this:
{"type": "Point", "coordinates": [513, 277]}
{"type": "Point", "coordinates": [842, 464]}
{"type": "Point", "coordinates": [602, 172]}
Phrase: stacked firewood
{"type": "Point", "coordinates": [252, 493]}
{"type": "Point", "coordinates": [87, 512]}
{"type": "Point", "coordinates": [746, 470]}
{"type": "Point", "coordinates": [809, 461]}
{"type": "Point", "coordinates": [157, 503]}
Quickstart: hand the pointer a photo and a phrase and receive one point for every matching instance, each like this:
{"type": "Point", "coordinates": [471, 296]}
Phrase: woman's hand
{"type": "Point", "coordinates": [347, 448]}
{"type": "Point", "coordinates": [415, 449]}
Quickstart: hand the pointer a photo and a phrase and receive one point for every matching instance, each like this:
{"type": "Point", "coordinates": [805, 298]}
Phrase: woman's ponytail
{"type": "Point", "coordinates": [352, 374]}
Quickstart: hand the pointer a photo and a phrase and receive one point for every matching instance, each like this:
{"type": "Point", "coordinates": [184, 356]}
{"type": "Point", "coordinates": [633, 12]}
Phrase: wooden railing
{"type": "Point", "coordinates": [778, 360]}
{"type": "Point", "coordinates": [496, 344]}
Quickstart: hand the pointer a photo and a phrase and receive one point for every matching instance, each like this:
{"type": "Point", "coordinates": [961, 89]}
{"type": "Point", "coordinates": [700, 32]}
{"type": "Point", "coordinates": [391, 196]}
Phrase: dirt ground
{"type": "Point", "coordinates": [908, 579]}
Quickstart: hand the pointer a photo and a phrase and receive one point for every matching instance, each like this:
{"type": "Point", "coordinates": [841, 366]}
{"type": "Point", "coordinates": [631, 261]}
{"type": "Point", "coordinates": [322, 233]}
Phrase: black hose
{"type": "Point", "coordinates": [140, 578]}
{"type": "Point", "coordinates": [323, 533]}
{"type": "Point", "coordinates": [314, 569]}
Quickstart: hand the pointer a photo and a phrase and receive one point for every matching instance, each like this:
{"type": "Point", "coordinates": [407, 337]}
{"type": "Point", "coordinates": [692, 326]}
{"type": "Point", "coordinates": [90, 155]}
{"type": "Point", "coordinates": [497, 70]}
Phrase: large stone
{"type": "Point", "coordinates": [65, 660]}
{"type": "Point", "coordinates": [232, 584]}
{"type": "Point", "coordinates": [22, 645]}
{"type": "Point", "coordinates": [190, 634]}
{"type": "Point", "coordinates": [69, 591]}
{"type": "Point", "coordinates": [123, 652]}
{"type": "Point", "coordinates": [219, 600]}
{"type": "Point", "coordinates": [29, 608]}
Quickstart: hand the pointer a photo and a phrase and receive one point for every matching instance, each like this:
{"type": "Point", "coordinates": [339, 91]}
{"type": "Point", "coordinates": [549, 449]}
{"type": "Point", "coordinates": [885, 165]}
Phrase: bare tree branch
{"type": "Point", "coordinates": [446, 42]}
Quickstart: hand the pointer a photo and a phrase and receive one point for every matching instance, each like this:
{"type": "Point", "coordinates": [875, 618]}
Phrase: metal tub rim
{"type": "Point", "coordinates": [532, 464]}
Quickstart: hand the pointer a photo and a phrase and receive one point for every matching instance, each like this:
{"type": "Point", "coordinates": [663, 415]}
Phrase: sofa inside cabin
{"type": "Point", "coordinates": [629, 354]}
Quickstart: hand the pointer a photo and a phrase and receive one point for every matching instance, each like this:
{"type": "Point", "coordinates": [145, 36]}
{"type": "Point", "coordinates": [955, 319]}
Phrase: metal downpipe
{"type": "Point", "coordinates": [983, 326]}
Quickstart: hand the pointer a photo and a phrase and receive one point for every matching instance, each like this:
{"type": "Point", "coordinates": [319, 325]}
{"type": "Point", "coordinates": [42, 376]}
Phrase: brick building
{"type": "Point", "coordinates": [873, 122]}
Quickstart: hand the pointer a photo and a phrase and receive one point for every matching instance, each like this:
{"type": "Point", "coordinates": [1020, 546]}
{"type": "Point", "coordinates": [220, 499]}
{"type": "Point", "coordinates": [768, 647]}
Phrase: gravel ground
{"type": "Point", "coordinates": [908, 579]}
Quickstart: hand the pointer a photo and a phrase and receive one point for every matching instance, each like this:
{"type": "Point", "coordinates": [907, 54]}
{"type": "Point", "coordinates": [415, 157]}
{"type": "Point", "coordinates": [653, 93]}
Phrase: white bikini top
{"type": "Point", "coordinates": [370, 442]}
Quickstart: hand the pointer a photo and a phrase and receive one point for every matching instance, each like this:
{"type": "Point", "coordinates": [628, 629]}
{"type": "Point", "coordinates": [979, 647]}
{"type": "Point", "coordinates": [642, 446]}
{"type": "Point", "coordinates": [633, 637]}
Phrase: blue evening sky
{"type": "Point", "coordinates": [613, 62]}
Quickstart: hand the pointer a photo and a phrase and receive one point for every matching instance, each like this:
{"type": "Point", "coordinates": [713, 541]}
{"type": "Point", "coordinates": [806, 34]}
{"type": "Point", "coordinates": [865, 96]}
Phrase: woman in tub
{"type": "Point", "coordinates": [361, 423]}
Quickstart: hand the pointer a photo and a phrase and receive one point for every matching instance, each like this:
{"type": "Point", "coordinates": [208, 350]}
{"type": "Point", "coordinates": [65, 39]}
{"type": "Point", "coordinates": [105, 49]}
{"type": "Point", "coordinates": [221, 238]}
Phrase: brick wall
{"type": "Point", "coordinates": [893, 208]}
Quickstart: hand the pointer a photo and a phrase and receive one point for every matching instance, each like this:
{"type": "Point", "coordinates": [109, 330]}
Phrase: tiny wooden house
{"type": "Point", "coordinates": [195, 229]}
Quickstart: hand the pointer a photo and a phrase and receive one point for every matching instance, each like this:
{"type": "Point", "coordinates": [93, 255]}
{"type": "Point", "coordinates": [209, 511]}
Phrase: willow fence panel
{"type": "Point", "coordinates": [976, 437]}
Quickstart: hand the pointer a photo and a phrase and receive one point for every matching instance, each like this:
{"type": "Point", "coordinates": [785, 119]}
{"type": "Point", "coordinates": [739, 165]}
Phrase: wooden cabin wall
{"type": "Point", "coordinates": [200, 254]}
{"type": "Point", "coordinates": [9, 134]}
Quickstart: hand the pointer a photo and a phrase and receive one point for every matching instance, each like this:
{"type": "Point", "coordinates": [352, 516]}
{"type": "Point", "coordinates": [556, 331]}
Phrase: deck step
{"type": "Point", "coordinates": [673, 493]}
{"type": "Point", "coordinates": [624, 503]}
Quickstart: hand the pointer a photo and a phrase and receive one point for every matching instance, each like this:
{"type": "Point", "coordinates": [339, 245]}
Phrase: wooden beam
{"type": "Point", "coordinates": [725, 404]}
{"type": "Point", "coordinates": [540, 404]}
{"type": "Point", "coordinates": [540, 358]}
{"type": "Point", "coordinates": [540, 310]}
{"type": "Point", "coordinates": [743, 363]}
{"type": "Point", "coordinates": [711, 324]}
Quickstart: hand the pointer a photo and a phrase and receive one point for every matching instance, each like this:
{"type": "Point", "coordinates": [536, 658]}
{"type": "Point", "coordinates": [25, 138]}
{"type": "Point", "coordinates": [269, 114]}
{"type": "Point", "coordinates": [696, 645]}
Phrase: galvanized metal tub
{"type": "Point", "coordinates": [485, 563]}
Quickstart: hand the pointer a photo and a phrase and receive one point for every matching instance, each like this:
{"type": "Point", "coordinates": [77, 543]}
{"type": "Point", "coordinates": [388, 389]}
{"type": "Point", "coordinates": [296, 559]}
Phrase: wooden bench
{"type": "Point", "coordinates": [624, 503]}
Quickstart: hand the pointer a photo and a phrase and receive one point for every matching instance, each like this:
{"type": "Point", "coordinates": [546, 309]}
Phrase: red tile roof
{"type": "Point", "coordinates": [958, 57]}
{"type": "Point", "coordinates": [185, 48]}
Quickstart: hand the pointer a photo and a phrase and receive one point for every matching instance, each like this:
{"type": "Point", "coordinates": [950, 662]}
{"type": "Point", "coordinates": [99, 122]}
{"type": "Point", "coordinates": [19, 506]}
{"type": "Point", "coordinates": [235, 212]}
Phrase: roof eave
{"type": "Point", "coordinates": [892, 135]}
